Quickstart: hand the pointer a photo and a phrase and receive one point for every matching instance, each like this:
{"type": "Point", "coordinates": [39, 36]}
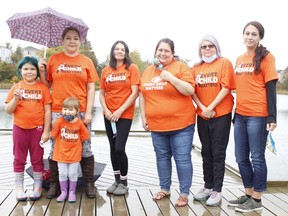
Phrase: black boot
{"type": "Point", "coordinates": [54, 188]}
{"type": "Point", "coordinates": [87, 166]}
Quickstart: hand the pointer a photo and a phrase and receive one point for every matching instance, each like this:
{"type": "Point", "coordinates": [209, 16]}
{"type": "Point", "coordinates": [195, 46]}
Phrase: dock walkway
{"type": "Point", "coordinates": [143, 183]}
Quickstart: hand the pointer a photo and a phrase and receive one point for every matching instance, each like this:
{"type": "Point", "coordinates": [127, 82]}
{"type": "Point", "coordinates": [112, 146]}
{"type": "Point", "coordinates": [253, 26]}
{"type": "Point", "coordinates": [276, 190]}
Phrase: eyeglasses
{"type": "Point", "coordinates": [207, 46]}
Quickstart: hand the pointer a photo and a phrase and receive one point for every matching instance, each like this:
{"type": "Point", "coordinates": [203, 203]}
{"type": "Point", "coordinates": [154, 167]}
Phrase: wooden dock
{"type": "Point", "coordinates": [143, 183]}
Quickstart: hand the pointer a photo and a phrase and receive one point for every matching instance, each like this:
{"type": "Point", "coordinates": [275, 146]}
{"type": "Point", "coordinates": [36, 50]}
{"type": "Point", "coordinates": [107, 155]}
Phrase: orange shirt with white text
{"type": "Point", "coordinates": [250, 88]}
{"type": "Point", "coordinates": [117, 86]}
{"type": "Point", "coordinates": [166, 108]}
{"type": "Point", "coordinates": [30, 111]}
{"type": "Point", "coordinates": [69, 77]}
{"type": "Point", "coordinates": [68, 140]}
{"type": "Point", "coordinates": [210, 78]}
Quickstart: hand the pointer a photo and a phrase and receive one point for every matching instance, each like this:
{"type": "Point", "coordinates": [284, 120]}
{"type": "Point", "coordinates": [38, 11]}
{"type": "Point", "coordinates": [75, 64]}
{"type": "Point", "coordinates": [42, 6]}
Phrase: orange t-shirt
{"type": "Point", "coordinates": [166, 108]}
{"type": "Point", "coordinates": [250, 88]}
{"type": "Point", "coordinates": [209, 80]}
{"type": "Point", "coordinates": [68, 140]}
{"type": "Point", "coordinates": [69, 77]}
{"type": "Point", "coordinates": [117, 86]}
{"type": "Point", "coordinates": [30, 111]}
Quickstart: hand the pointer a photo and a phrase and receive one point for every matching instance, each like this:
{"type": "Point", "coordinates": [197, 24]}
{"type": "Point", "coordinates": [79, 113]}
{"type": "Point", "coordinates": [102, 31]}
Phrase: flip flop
{"type": "Point", "coordinates": [160, 195]}
{"type": "Point", "coordinates": [181, 201]}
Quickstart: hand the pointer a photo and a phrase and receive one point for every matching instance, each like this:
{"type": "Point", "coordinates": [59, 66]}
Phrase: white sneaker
{"type": "Point", "coordinates": [203, 194]}
{"type": "Point", "coordinates": [214, 199]}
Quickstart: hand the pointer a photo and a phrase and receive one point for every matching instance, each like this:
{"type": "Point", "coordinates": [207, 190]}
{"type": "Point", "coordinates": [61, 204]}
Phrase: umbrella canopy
{"type": "Point", "coordinates": [44, 26]}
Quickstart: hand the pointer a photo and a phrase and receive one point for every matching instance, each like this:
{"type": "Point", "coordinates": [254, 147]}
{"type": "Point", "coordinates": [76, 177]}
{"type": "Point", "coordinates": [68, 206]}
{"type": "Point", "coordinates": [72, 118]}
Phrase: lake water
{"type": "Point", "coordinates": [277, 164]}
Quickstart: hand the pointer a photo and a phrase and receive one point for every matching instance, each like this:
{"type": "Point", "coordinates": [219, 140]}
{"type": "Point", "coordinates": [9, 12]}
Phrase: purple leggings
{"type": "Point", "coordinates": [27, 140]}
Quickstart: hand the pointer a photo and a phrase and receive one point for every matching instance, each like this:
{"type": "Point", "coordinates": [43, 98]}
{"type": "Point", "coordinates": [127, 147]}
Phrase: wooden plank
{"type": "Point", "coordinates": [40, 206]}
{"type": "Point", "coordinates": [87, 206]}
{"type": "Point", "coordinates": [73, 208]}
{"type": "Point", "coordinates": [165, 205]}
{"type": "Point", "coordinates": [10, 203]}
{"type": "Point", "coordinates": [149, 205]}
{"type": "Point", "coordinates": [278, 206]}
{"type": "Point", "coordinates": [103, 203]}
{"type": "Point", "coordinates": [54, 208]}
{"type": "Point", "coordinates": [184, 210]}
{"type": "Point", "coordinates": [134, 204]}
{"type": "Point", "coordinates": [4, 194]}
{"type": "Point", "coordinates": [119, 206]}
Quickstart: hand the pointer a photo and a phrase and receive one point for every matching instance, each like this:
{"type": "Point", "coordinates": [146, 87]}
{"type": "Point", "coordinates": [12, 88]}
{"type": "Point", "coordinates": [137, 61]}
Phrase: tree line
{"type": "Point", "coordinates": [9, 76]}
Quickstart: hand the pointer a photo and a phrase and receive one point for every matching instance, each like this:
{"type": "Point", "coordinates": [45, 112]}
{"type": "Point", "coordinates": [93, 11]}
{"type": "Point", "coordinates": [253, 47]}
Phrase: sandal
{"type": "Point", "coordinates": [181, 201]}
{"type": "Point", "coordinates": [160, 195]}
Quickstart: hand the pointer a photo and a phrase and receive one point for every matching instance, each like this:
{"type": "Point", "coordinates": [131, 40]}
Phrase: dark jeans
{"type": "Point", "coordinates": [118, 155]}
{"type": "Point", "coordinates": [214, 136]}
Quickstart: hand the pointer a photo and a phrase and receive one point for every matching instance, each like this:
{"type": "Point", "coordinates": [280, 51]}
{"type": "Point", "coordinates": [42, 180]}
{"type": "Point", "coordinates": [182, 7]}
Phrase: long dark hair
{"type": "Point", "coordinates": [261, 52]}
{"type": "Point", "coordinates": [127, 59]}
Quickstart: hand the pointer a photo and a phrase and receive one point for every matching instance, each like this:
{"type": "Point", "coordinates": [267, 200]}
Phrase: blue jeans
{"type": "Point", "coordinates": [179, 145]}
{"type": "Point", "coordinates": [250, 136]}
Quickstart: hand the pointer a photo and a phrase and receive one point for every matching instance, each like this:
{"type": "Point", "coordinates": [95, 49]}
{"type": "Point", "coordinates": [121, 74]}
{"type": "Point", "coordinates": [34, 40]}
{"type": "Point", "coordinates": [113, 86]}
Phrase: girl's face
{"type": "Point", "coordinates": [251, 37]}
{"type": "Point", "coordinates": [69, 111]}
{"type": "Point", "coordinates": [71, 42]}
{"type": "Point", "coordinates": [29, 73]}
{"type": "Point", "coordinates": [207, 49]}
{"type": "Point", "coordinates": [164, 54]}
{"type": "Point", "coordinates": [119, 52]}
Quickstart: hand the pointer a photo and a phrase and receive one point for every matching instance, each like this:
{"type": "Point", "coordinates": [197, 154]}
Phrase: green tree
{"type": "Point", "coordinates": [17, 55]}
{"type": "Point", "coordinates": [7, 71]}
{"type": "Point", "coordinates": [136, 59]}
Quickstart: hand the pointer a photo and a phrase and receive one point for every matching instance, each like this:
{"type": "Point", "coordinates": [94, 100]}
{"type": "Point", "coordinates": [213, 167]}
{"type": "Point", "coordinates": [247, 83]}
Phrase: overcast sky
{"type": "Point", "coordinates": [141, 24]}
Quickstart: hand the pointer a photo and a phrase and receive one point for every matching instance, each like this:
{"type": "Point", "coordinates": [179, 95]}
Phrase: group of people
{"type": "Point", "coordinates": [168, 84]}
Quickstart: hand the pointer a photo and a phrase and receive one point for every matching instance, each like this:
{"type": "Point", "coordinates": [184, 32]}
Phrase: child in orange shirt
{"type": "Point", "coordinates": [29, 101]}
{"type": "Point", "coordinates": [67, 136]}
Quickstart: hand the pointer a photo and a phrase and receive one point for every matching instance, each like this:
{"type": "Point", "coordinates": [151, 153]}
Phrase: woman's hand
{"type": "Point", "coordinates": [87, 118]}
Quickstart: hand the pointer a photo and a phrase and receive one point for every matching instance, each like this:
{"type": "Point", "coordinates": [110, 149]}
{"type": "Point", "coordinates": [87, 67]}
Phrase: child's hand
{"type": "Point", "coordinates": [17, 93]}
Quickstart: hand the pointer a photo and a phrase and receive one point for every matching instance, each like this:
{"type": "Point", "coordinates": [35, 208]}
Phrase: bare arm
{"type": "Point", "coordinates": [42, 69]}
{"type": "Point", "coordinates": [107, 112]}
{"type": "Point", "coordinates": [90, 102]}
{"type": "Point", "coordinates": [11, 106]}
{"type": "Point", "coordinates": [183, 87]}
{"type": "Point", "coordinates": [142, 112]}
{"type": "Point", "coordinates": [47, 122]}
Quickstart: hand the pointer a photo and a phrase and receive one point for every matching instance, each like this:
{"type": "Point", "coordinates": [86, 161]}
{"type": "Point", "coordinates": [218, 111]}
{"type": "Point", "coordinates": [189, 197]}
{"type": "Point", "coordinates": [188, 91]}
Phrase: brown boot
{"type": "Point", "coordinates": [87, 166]}
{"type": "Point", "coordinates": [54, 188]}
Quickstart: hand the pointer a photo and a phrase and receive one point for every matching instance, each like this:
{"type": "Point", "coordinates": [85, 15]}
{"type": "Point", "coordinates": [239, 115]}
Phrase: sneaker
{"type": "Point", "coordinates": [203, 194]}
{"type": "Point", "coordinates": [249, 206]}
{"type": "Point", "coordinates": [214, 199]}
{"type": "Point", "coordinates": [120, 190]}
{"type": "Point", "coordinates": [112, 188]}
{"type": "Point", "coordinates": [238, 201]}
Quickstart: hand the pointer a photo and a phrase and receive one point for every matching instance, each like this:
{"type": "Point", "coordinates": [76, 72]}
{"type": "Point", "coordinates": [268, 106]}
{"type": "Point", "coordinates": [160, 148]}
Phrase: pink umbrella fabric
{"type": "Point", "coordinates": [44, 26]}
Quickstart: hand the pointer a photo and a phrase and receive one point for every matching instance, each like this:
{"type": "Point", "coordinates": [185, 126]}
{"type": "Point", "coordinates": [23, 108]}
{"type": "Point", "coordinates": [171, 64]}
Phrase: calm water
{"type": "Point", "coordinates": [277, 164]}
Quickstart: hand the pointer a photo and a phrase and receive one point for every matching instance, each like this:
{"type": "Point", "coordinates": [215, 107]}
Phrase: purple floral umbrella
{"type": "Point", "coordinates": [44, 27]}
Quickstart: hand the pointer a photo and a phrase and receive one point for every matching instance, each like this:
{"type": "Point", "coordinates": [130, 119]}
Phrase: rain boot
{"type": "Point", "coordinates": [19, 181]}
{"type": "Point", "coordinates": [54, 188]}
{"type": "Point", "coordinates": [37, 187]}
{"type": "Point", "coordinates": [87, 166]}
{"type": "Point", "coordinates": [64, 190]}
{"type": "Point", "coordinates": [72, 191]}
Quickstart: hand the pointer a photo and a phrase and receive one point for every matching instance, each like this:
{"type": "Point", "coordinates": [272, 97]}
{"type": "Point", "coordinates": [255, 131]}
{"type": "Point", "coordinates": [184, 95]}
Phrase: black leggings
{"type": "Point", "coordinates": [118, 155]}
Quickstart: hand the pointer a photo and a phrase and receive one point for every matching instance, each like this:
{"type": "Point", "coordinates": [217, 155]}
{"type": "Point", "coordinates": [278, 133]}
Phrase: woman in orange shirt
{"type": "Point", "coordinates": [256, 77]}
{"type": "Point", "coordinates": [168, 112]}
{"type": "Point", "coordinates": [214, 77]}
{"type": "Point", "coordinates": [69, 73]}
{"type": "Point", "coordinates": [118, 92]}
